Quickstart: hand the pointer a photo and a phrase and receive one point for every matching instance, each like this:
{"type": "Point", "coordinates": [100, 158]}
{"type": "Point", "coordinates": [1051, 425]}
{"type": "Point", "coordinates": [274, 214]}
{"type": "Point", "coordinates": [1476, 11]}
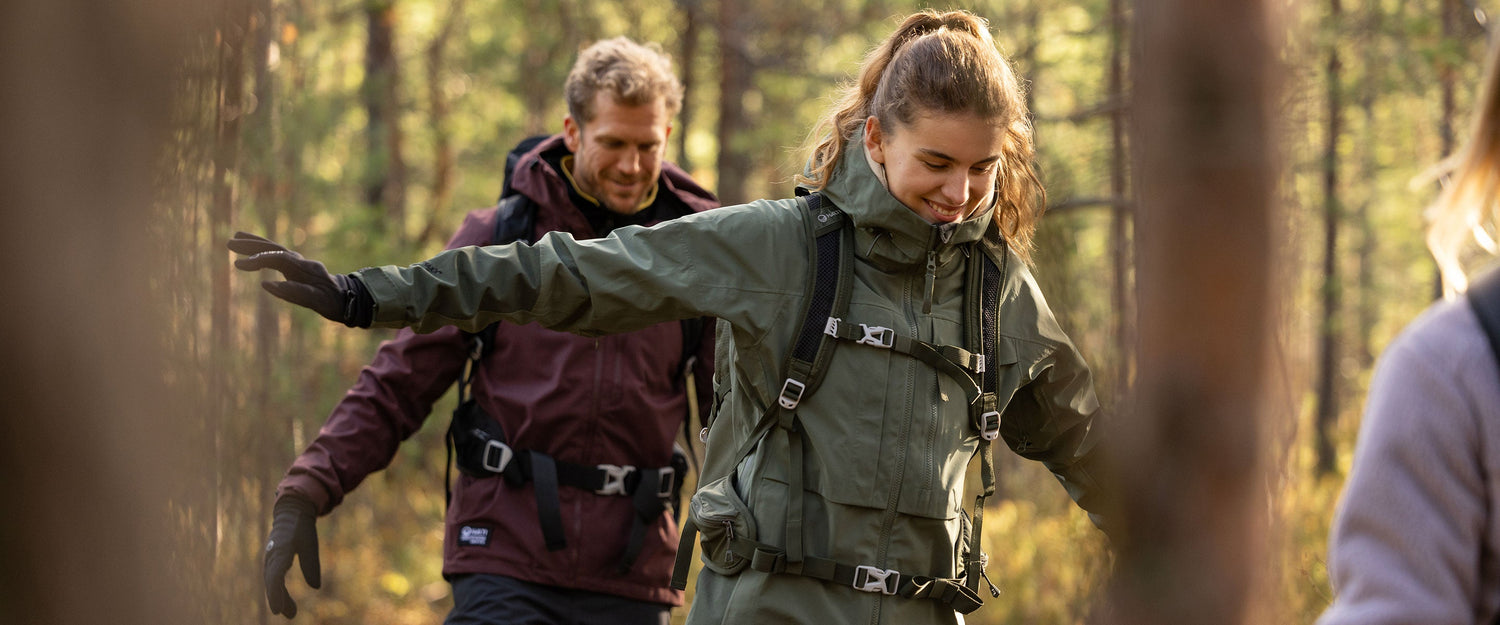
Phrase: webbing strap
{"type": "Point", "coordinates": [956, 362]}
{"type": "Point", "coordinates": [793, 434]}
{"type": "Point", "coordinates": [947, 591]}
{"type": "Point", "coordinates": [548, 506]}
{"type": "Point", "coordinates": [1484, 297]}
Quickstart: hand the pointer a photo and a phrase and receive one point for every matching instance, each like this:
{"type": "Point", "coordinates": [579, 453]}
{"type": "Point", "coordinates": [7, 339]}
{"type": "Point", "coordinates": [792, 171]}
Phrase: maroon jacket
{"type": "Point", "coordinates": [608, 400]}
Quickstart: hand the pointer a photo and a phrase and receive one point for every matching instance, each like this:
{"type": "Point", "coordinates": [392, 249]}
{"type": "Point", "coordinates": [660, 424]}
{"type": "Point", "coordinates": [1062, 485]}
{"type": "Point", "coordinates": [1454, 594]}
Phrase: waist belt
{"type": "Point", "coordinates": [951, 592]}
{"type": "Point", "coordinates": [651, 490]}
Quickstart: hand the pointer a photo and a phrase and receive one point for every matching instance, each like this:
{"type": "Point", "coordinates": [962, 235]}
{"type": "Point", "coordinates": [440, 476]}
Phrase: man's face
{"type": "Point", "coordinates": [617, 155]}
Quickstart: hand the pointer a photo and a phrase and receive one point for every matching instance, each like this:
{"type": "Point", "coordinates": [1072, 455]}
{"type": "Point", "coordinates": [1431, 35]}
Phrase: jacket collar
{"type": "Point", "coordinates": [887, 233]}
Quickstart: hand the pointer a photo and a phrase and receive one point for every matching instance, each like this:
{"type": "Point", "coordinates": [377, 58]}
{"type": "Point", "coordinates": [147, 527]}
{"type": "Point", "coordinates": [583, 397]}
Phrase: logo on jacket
{"type": "Point", "coordinates": [471, 536]}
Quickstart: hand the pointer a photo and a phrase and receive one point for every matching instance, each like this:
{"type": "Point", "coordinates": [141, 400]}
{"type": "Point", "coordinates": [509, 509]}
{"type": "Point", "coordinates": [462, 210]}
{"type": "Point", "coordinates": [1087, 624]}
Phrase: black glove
{"type": "Point", "coordinates": [293, 533]}
{"type": "Point", "coordinates": [342, 298]}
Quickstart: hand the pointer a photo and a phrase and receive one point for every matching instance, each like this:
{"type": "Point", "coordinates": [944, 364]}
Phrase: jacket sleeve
{"type": "Point", "coordinates": [1054, 417]}
{"type": "Point", "coordinates": [1406, 538]}
{"type": "Point", "coordinates": [719, 263]}
{"type": "Point", "coordinates": [387, 404]}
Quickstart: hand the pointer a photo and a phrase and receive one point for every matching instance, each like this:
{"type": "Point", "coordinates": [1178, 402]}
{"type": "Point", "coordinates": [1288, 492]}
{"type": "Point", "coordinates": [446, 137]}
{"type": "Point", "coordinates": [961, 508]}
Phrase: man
{"type": "Point", "coordinates": [560, 514]}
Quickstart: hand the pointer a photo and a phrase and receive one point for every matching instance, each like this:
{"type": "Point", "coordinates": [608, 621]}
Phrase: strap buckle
{"type": "Point", "coordinates": [499, 464]}
{"type": "Point", "coordinates": [614, 478]}
{"type": "Point", "coordinates": [870, 579]}
{"type": "Point", "coordinates": [791, 394]}
{"type": "Point", "coordinates": [879, 336]}
{"type": "Point", "coordinates": [989, 425]}
{"type": "Point", "coordinates": [665, 476]}
{"type": "Point", "coordinates": [831, 328]}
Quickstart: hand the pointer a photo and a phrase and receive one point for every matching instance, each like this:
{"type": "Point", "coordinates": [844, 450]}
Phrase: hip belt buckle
{"type": "Point", "coordinates": [871, 579]}
{"type": "Point", "coordinates": [614, 478]}
{"type": "Point", "coordinates": [502, 456]}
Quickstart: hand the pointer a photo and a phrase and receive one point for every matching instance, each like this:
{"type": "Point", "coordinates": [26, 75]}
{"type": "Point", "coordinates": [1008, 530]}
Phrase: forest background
{"type": "Point", "coordinates": [362, 131]}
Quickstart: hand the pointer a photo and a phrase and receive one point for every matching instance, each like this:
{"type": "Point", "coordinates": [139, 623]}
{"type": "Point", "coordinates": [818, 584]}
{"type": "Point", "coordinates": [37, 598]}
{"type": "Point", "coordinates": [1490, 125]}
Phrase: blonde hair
{"type": "Point", "coordinates": [633, 73]}
{"type": "Point", "coordinates": [947, 63]}
{"type": "Point", "coordinates": [1466, 212]}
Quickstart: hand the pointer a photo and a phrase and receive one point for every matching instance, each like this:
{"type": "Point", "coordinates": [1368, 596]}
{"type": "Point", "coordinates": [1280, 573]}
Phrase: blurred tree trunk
{"type": "Point", "coordinates": [1329, 330]}
{"type": "Point", "coordinates": [1120, 218]}
{"type": "Point", "coordinates": [229, 113]}
{"type": "Point", "coordinates": [1191, 499]}
{"type": "Point", "coordinates": [94, 453]}
{"type": "Point", "coordinates": [385, 182]}
{"type": "Point", "coordinates": [264, 127]}
{"type": "Point", "coordinates": [1369, 300]}
{"type": "Point", "coordinates": [443, 155]}
{"type": "Point", "coordinates": [736, 78]}
{"type": "Point", "coordinates": [692, 17]}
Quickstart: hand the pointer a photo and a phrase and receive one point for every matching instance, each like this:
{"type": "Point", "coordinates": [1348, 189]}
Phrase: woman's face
{"type": "Point", "coordinates": [943, 166]}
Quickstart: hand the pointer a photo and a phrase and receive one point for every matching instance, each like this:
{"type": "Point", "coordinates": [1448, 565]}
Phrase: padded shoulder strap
{"type": "Point", "coordinates": [828, 288]}
{"type": "Point", "coordinates": [1484, 296]}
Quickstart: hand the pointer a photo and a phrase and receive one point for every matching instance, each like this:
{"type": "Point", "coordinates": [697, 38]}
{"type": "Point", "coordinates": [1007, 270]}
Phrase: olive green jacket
{"type": "Point", "coordinates": [887, 438]}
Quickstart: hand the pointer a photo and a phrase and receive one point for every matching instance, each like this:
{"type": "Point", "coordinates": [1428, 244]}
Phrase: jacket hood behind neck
{"type": "Point", "coordinates": [537, 179]}
{"type": "Point", "coordinates": [887, 232]}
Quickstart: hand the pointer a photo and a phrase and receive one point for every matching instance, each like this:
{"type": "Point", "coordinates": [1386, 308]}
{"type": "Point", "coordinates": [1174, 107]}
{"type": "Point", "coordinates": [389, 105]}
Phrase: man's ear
{"type": "Point", "coordinates": [572, 134]}
{"type": "Point", "coordinates": [874, 139]}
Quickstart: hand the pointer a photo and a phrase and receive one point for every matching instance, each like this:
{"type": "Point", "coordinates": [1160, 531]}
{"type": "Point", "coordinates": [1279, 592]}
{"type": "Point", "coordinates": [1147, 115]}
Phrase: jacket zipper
{"type": "Point", "coordinates": [929, 281]}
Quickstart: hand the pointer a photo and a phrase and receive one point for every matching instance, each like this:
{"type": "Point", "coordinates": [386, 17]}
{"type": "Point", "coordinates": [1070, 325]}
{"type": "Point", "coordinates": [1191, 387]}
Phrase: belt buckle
{"type": "Point", "coordinates": [506, 455]}
{"type": "Point", "coordinates": [870, 579]}
{"type": "Point", "coordinates": [664, 478]}
{"type": "Point", "coordinates": [614, 478]}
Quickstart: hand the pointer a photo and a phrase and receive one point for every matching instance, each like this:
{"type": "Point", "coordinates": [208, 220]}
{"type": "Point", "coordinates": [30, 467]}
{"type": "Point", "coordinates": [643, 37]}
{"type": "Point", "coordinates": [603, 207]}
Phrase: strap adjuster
{"type": "Point", "coordinates": [614, 478]}
{"type": "Point", "coordinates": [791, 394]}
{"type": "Point", "coordinates": [879, 336]}
{"type": "Point", "coordinates": [664, 478]}
{"type": "Point", "coordinates": [505, 456]}
{"type": "Point", "coordinates": [870, 579]}
{"type": "Point", "coordinates": [989, 425]}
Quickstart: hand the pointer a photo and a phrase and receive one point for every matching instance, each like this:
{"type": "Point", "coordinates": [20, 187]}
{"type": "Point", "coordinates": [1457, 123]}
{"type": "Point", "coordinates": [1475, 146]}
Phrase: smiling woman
{"type": "Point", "coordinates": [943, 167]}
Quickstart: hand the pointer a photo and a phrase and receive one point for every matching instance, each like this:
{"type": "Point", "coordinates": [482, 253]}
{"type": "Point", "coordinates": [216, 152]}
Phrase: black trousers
{"type": "Point", "coordinates": [500, 600]}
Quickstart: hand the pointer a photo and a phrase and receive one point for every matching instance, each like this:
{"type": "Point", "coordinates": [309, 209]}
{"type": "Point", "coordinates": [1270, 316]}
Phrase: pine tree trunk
{"type": "Point", "coordinates": [1330, 328]}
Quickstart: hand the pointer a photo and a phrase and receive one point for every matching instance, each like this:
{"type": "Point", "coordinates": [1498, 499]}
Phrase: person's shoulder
{"type": "Point", "coordinates": [1445, 338]}
{"type": "Point", "coordinates": [477, 228]}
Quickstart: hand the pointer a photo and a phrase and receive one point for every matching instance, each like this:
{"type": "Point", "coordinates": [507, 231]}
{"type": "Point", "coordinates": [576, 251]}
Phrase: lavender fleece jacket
{"type": "Point", "coordinates": [1416, 537]}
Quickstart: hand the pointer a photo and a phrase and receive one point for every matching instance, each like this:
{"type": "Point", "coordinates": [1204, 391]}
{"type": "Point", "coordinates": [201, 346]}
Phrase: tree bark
{"type": "Point", "coordinates": [443, 155]}
{"type": "Point", "coordinates": [1120, 217]}
{"type": "Point", "coordinates": [1190, 475]}
{"type": "Point", "coordinates": [1329, 329]}
{"type": "Point", "coordinates": [692, 16]}
{"type": "Point", "coordinates": [385, 182]}
{"type": "Point", "coordinates": [736, 78]}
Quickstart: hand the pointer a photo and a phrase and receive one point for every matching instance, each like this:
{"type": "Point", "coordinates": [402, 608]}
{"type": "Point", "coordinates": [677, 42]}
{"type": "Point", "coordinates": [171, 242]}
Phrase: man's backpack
{"type": "Point", "coordinates": [826, 324]}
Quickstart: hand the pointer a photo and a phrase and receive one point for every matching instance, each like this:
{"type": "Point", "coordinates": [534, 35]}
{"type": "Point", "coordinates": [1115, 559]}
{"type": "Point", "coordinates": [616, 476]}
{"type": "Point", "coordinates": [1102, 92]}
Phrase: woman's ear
{"type": "Point", "coordinates": [874, 139]}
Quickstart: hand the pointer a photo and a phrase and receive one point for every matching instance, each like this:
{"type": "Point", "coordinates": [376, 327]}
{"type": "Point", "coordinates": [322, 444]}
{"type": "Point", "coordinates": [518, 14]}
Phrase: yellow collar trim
{"type": "Point", "coordinates": [567, 168]}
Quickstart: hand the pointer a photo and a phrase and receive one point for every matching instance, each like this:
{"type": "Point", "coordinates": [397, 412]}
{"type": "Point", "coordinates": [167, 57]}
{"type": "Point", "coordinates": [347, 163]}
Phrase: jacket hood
{"type": "Point", "coordinates": [537, 179]}
{"type": "Point", "coordinates": [888, 233]}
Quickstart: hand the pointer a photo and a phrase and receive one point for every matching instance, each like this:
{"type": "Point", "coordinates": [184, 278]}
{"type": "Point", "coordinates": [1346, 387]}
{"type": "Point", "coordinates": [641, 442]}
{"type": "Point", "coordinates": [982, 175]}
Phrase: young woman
{"type": "Point", "coordinates": [1416, 538]}
{"type": "Point", "coordinates": [844, 505]}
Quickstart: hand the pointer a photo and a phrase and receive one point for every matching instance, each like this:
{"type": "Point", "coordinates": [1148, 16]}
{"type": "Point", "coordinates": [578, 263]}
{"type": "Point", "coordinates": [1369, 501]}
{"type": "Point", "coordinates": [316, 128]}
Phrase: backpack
{"type": "Point", "coordinates": [823, 327]}
{"type": "Point", "coordinates": [479, 443]}
{"type": "Point", "coordinates": [1484, 297]}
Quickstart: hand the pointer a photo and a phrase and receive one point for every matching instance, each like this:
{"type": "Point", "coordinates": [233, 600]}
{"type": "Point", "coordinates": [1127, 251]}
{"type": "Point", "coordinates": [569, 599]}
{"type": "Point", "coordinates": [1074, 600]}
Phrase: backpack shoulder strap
{"type": "Point", "coordinates": [1484, 296]}
{"type": "Point", "coordinates": [827, 295]}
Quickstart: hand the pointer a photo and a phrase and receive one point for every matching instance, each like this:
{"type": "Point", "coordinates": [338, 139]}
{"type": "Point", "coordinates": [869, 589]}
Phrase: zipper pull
{"type": "Point", "coordinates": [928, 281]}
{"type": "Point", "coordinates": [728, 553]}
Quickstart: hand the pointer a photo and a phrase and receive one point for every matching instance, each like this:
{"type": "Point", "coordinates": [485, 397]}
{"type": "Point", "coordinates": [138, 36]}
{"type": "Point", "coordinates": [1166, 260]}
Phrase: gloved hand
{"type": "Point", "coordinates": [293, 533]}
{"type": "Point", "coordinates": [342, 298]}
